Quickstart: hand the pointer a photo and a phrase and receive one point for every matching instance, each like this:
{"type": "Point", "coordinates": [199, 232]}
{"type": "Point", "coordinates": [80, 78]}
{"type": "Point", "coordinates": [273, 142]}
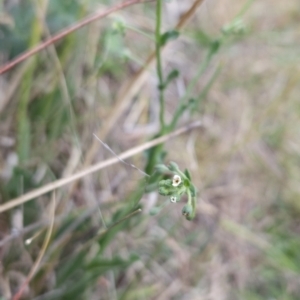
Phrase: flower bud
{"type": "Point", "coordinates": [162, 168]}
{"type": "Point", "coordinates": [173, 167]}
{"type": "Point", "coordinates": [165, 183]}
{"type": "Point", "coordinates": [164, 191]}
{"type": "Point", "coordinates": [187, 211]}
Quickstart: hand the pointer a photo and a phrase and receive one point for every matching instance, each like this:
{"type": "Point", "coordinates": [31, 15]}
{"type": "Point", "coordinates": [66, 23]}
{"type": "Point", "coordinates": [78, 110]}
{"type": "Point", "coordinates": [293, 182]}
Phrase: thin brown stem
{"type": "Point", "coordinates": [101, 165]}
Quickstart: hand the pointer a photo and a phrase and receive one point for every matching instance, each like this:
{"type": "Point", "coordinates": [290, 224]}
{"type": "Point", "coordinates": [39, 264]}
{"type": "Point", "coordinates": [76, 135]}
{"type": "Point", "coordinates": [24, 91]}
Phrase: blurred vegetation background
{"type": "Point", "coordinates": [235, 67]}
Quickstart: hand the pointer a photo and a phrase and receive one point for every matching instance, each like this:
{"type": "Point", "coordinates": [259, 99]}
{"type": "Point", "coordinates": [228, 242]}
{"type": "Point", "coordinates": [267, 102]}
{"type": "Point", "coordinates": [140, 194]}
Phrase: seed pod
{"type": "Point", "coordinates": [188, 212]}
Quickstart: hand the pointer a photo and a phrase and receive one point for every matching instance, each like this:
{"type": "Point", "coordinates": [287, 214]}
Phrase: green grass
{"type": "Point", "coordinates": [235, 68]}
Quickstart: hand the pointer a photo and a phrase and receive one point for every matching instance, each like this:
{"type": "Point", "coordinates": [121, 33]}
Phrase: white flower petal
{"type": "Point", "coordinates": [176, 180]}
{"type": "Point", "coordinates": [173, 199]}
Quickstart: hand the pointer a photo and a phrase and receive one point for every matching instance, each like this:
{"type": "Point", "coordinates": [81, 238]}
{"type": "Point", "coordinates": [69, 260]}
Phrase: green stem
{"type": "Point", "coordinates": [192, 202]}
{"type": "Point", "coordinates": [189, 197]}
{"type": "Point", "coordinates": [159, 65]}
{"type": "Point", "coordinates": [155, 152]}
{"type": "Point", "coordinates": [183, 105]}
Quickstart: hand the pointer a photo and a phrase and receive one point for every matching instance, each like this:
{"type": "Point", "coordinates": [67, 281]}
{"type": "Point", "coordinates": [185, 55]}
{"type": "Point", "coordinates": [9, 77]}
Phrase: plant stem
{"type": "Point", "coordinates": [192, 202]}
{"type": "Point", "coordinates": [183, 104]}
{"type": "Point", "coordinates": [159, 65]}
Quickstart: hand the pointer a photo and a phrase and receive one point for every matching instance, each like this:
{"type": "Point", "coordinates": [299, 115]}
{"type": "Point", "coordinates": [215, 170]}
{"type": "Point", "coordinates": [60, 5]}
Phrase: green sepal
{"type": "Point", "coordinates": [173, 167]}
{"type": "Point", "coordinates": [160, 168]}
{"type": "Point", "coordinates": [186, 183]}
{"type": "Point", "coordinates": [187, 174]}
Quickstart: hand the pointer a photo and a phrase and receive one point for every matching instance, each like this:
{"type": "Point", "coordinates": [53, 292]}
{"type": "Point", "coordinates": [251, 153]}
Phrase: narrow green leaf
{"type": "Point", "coordinates": [167, 36]}
{"type": "Point", "coordinates": [187, 174]}
{"type": "Point", "coordinates": [171, 76]}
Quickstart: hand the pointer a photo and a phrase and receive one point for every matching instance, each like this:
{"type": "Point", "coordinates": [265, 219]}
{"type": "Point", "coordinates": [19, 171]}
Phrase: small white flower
{"type": "Point", "coordinates": [173, 199]}
{"type": "Point", "coordinates": [176, 180]}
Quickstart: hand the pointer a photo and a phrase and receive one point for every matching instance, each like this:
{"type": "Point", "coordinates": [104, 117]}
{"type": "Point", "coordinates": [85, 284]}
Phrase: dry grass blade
{"type": "Point", "coordinates": [61, 182]}
{"type": "Point", "coordinates": [67, 31]}
{"type": "Point", "coordinates": [41, 254]}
